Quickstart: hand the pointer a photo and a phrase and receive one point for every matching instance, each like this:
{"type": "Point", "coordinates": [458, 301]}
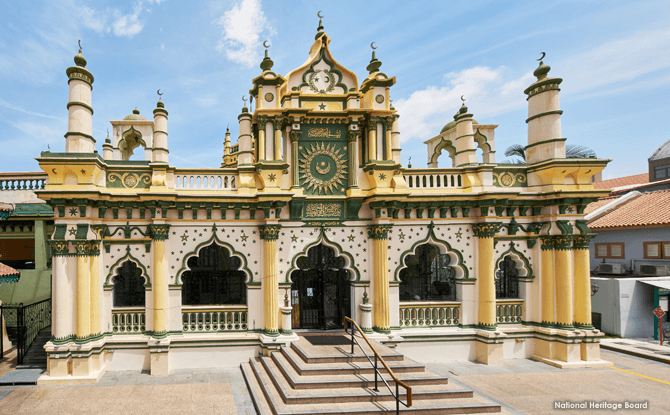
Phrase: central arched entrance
{"type": "Point", "coordinates": [320, 294]}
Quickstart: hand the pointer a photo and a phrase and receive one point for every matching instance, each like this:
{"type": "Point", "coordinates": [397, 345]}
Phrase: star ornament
{"type": "Point", "coordinates": [319, 186]}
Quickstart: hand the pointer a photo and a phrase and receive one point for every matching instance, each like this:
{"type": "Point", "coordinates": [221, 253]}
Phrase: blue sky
{"type": "Point", "coordinates": [613, 57]}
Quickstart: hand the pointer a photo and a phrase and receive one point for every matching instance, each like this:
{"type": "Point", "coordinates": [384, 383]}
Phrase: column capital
{"type": "Point", "coordinates": [379, 231]}
{"type": "Point", "coordinates": [99, 230]}
{"type": "Point", "coordinates": [82, 247]}
{"type": "Point", "coordinates": [159, 232]}
{"type": "Point", "coordinates": [486, 229]}
{"type": "Point", "coordinates": [582, 241]}
{"type": "Point", "coordinates": [59, 248]}
{"type": "Point", "coordinates": [352, 136]}
{"type": "Point", "coordinates": [563, 242]}
{"type": "Point", "coordinates": [294, 135]}
{"type": "Point", "coordinates": [278, 121]}
{"type": "Point", "coordinates": [374, 119]}
{"type": "Point", "coordinates": [269, 232]}
{"type": "Point", "coordinates": [94, 248]}
{"type": "Point", "coordinates": [547, 242]}
{"type": "Point", "coordinates": [261, 119]}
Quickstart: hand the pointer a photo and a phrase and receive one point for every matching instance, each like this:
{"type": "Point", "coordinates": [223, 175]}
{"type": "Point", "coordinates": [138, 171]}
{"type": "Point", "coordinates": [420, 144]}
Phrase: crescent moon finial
{"type": "Point", "coordinates": [79, 42]}
{"type": "Point", "coordinates": [372, 45]}
{"type": "Point", "coordinates": [319, 15]}
{"type": "Point", "coordinates": [463, 99]}
{"type": "Point", "coordinates": [159, 92]}
{"type": "Point", "coordinates": [543, 55]}
{"type": "Point", "coordinates": [265, 44]}
{"type": "Point", "coordinates": [244, 98]}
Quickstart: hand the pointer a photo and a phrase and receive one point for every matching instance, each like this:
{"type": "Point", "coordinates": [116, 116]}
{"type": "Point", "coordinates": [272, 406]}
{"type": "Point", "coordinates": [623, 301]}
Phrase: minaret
{"type": "Point", "coordinates": [79, 136]}
{"type": "Point", "coordinates": [226, 144]}
{"type": "Point", "coordinates": [107, 152]}
{"type": "Point", "coordinates": [466, 153]}
{"type": "Point", "coordinates": [544, 118]}
{"type": "Point", "coordinates": [160, 150]}
{"type": "Point", "coordinates": [245, 158]}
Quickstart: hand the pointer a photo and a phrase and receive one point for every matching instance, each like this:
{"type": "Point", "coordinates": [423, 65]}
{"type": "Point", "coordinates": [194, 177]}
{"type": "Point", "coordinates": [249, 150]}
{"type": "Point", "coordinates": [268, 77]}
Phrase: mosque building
{"type": "Point", "coordinates": [311, 217]}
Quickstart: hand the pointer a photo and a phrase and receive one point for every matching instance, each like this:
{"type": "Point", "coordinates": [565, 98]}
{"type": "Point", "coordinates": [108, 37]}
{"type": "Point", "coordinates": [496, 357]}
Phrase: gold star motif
{"type": "Point", "coordinates": [322, 106]}
{"type": "Point", "coordinates": [351, 238]}
{"type": "Point", "coordinates": [244, 237]}
{"type": "Point", "coordinates": [294, 238]}
{"type": "Point", "coordinates": [184, 237]}
{"type": "Point", "coordinates": [73, 231]}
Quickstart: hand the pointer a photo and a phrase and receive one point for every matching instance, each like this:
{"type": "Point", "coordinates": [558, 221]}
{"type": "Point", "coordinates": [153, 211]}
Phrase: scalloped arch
{"type": "Point", "coordinates": [348, 259]}
{"type": "Point", "coordinates": [445, 248]}
{"type": "Point", "coordinates": [214, 238]}
{"type": "Point", "coordinates": [521, 263]}
{"type": "Point", "coordinates": [127, 257]}
{"type": "Point", "coordinates": [444, 144]}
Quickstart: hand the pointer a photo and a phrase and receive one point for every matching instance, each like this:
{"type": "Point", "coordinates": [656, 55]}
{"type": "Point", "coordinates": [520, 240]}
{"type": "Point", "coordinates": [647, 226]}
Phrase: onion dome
{"type": "Point", "coordinates": [266, 63]}
{"type": "Point", "coordinates": [159, 104]}
{"type": "Point", "coordinates": [80, 60]}
{"type": "Point", "coordinates": [542, 71]}
{"type": "Point", "coordinates": [662, 152]}
{"type": "Point", "coordinates": [135, 116]}
{"type": "Point", "coordinates": [374, 64]}
{"type": "Point", "coordinates": [451, 125]}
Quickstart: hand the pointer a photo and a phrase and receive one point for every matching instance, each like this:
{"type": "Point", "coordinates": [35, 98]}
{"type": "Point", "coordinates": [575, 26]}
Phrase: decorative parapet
{"type": "Point", "coordinates": [197, 320]}
{"type": "Point", "coordinates": [434, 178]}
{"type": "Point", "coordinates": [509, 312]}
{"type": "Point", "coordinates": [128, 321]}
{"type": "Point", "coordinates": [204, 180]}
{"type": "Point", "coordinates": [414, 315]}
{"type": "Point", "coordinates": [23, 181]}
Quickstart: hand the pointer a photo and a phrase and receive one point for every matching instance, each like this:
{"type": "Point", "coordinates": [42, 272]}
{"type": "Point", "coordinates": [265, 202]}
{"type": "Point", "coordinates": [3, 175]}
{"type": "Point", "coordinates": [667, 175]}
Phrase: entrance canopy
{"type": "Point", "coordinates": [664, 283]}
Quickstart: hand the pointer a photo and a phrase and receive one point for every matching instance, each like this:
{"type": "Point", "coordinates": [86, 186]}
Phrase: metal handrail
{"type": "Point", "coordinates": [378, 357]}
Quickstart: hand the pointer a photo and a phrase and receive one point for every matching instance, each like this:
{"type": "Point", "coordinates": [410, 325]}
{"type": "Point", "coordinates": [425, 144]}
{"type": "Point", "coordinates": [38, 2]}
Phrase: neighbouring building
{"type": "Point", "coordinates": [310, 218]}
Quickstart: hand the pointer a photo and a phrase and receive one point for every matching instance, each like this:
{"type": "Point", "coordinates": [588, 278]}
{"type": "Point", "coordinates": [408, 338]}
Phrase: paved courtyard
{"type": "Point", "coordinates": [521, 386]}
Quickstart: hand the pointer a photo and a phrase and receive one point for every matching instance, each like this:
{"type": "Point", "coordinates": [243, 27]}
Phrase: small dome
{"type": "Point", "coordinates": [135, 116]}
{"type": "Point", "coordinates": [451, 125]}
{"type": "Point", "coordinates": [662, 152]}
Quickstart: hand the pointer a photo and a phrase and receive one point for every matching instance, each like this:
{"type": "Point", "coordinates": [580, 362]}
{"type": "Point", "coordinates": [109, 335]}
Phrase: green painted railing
{"type": "Point", "coordinates": [509, 312]}
{"type": "Point", "coordinates": [128, 321]}
{"type": "Point", "coordinates": [196, 320]}
{"type": "Point", "coordinates": [22, 181]}
{"type": "Point", "coordinates": [429, 314]}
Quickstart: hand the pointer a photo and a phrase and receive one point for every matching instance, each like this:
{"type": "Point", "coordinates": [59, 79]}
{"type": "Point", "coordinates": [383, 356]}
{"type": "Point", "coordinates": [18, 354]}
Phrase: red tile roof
{"type": "Point", "coordinates": [622, 181]}
{"type": "Point", "coordinates": [599, 203]}
{"type": "Point", "coordinates": [7, 271]}
{"type": "Point", "coordinates": [648, 209]}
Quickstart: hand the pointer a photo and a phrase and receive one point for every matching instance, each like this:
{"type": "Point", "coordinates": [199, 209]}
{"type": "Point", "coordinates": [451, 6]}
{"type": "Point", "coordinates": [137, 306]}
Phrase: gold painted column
{"type": "Point", "coordinates": [486, 279]}
{"type": "Point", "coordinates": [270, 282]}
{"type": "Point", "coordinates": [548, 281]}
{"type": "Point", "coordinates": [95, 287]}
{"type": "Point", "coordinates": [261, 122]}
{"type": "Point", "coordinates": [582, 282]}
{"type": "Point", "coordinates": [372, 138]}
{"type": "Point", "coordinates": [389, 143]}
{"type": "Point", "coordinates": [82, 251]}
{"type": "Point", "coordinates": [277, 126]}
{"type": "Point", "coordinates": [352, 137]}
{"type": "Point", "coordinates": [564, 293]}
{"type": "Point", "coordinates": [382, 309]}
{"type": "Point", "coordinates": [295, 177]}
{"type": "Point", "coordinates": [159, 233]}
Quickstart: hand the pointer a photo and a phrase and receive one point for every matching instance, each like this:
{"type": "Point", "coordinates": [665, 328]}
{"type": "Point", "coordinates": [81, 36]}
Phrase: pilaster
{"type": "Point", "coordinates": [486, 279]}
{"type": "Point", "coordinates": [582, 281]}
{"type": "Point", "coordinates": [270, 282]}
{"type": "Point", "coordinates": [564, 284]}
{"type": "Point", "coordinates": [548, 281]}
{"type": "Point", "coordinates": [382, 310]}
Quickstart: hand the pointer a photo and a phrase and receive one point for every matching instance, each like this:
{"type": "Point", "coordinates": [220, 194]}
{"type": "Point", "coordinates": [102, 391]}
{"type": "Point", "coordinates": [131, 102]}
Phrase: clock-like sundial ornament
{"type": "Point", "coordinates": [323, 167]}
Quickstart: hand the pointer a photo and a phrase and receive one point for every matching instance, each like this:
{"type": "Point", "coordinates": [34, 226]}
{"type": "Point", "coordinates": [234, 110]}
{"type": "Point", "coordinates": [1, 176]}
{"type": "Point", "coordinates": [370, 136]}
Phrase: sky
{"type": "Point", "coordinates": [613, 57]}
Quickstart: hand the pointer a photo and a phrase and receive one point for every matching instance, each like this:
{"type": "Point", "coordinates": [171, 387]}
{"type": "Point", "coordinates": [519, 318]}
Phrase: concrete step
{"type": "Point", "coordinates": [351, 368]}
{"type": "Point", "coordinates": [331, 381]}
{"type": "Point", "coordinates": [342, 354]}
{"type": "Point", "coordinates": [268, 400]}
{"type": "Point", "coordinates": [264, 367]}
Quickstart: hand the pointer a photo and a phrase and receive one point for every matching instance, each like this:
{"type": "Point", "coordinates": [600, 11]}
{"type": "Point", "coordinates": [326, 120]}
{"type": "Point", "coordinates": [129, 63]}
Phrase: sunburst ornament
{"type": "Point", "coordinates": [323, 168]}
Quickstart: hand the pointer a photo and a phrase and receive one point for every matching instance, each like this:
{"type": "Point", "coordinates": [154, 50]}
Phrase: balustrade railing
{"type": "Point", "coordinates": [127, 321]}
{"type": "Point", "coordinates": [204, 181]}
{"type": "Point", "coordinates": [197, 320]}
{"type": "Point", "coordinates": [22, 181]}
{"type": "Point", "coordinates": [433, 180]}
{"type": "Point", "coordinates": [24, 323]}
{"type": "Point", "coordinates": [429, 314]}
{"type": "Point", "coordinates": [509, 312]}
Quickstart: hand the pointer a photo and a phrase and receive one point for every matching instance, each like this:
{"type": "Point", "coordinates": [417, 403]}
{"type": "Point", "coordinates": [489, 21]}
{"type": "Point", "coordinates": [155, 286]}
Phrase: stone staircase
{"type": "Point", "coordinates": [306, 379]}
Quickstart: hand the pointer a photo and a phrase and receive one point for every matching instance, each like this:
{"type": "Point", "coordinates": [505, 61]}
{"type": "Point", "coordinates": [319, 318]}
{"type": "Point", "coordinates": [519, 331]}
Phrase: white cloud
{"type": "Point", "coordinates": [25, 111]}
{"type": "Point", "coordinates": [94, 20]}
{"type": "Point", "coordinates": [242, 27]}
{"type": "Point", "coordinates": [156, 1]}
{"type": "Point", "coordinates": [128, 24]}
{"type": "Point", "coordinates": [487, 93]}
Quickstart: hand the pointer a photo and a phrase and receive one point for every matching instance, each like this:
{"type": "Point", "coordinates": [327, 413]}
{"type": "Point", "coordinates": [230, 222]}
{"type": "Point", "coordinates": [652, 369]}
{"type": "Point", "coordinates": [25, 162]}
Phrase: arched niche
{"type": "Point", "coordinates": [486, 146]}
{"type": "Point", "coordinates": [443, 145]}
{"type": "Point", "coordinates": [352, 271]}
{"type": "Point", "coordinates": [129, 285]}
{"type": "Point", "coordinates": [131, 140]}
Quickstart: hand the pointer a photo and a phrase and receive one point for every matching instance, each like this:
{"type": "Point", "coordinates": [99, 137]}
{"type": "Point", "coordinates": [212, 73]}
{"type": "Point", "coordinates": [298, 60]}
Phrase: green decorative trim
{"type": "Point", "coordinates": [127, 257]}
{"type": "Point", "coordinates": [159, 335]}
{"type": "Point", "coordinates": [564, 326]}
{"type": "Point", "coordinates": [582, 227]}
{"type": "Point", "coordinates": [507, 178]}
{"type": "Point", "coordinates": [487, 327]}
{"type": "Point", "coordinates": [549, 84]}
{"type": "Point", "coordinates": [339, 251]}
{"type": "Point", "coordinates": [311, 70]}
{"type": "Point", "coordinates": [59, 248]}
{"type": "Point", "coordinates": [271, 333]}
{"type": "Point", "coordinates": [486, 229]}
{"type": "Point", "coordinates": [563, 242]}
{"type": "Point", "coordinates": [285, 332]}
{"type": "Point", "coordinates": [380, 232]}
{"type": "Point", "coordinates": [547, 242]}
{"type": "Point", "coordinates": [80, 74]}
{"type": "Point", "coordinates": [381, 330]}
{"type": "Point", "coordinates": [565, 227]}
{"type": "Point", "coordinates": [62, 340]}
{"type": "Point", "coordinates": [82, 247]}
{"type": "Point", "coordinates": [525, 262]}
{"type": "Point", "coordinates": [128, 180]}
{"type": "Point", "coordinates": [69, 133]}
{"type": "Point", "coordinates": [159, 232]}
{"type": "Point", "coordinates": [542, 114]}
{"type": "Point", "coordinates": [544, 142]}
{"type": "Point", "coordinates": [269, 232]}
{"type": "Point", "coordinates": [81, 104]}
{"type": "Point", "coordinates": [584, 326]}
{"type": "Point", "coordinates": [583, 241]}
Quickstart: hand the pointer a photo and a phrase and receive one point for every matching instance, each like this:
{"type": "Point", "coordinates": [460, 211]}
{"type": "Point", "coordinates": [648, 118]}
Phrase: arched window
{"type": "Point", "coordinates": [129, 286]}
{"type": "Point", "coordinates": [214, 278]}
{"type": "Point", "coordinates": [428, 276]}
{"type": "Point", "coordinates": [507, 279]}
